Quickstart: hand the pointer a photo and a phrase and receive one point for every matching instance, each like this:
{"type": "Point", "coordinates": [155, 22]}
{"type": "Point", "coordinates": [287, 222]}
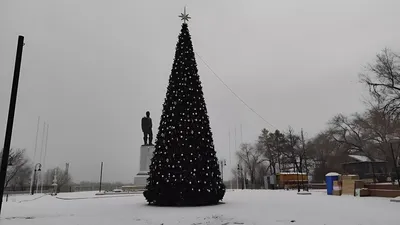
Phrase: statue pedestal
{"type": "Point", "coordinates": [146, 153]}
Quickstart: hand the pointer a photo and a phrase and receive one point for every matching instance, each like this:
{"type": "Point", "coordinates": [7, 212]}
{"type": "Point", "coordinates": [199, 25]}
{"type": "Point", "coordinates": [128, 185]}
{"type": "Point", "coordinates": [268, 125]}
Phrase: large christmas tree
{"type": "Point", "coordinates": [184, 169]}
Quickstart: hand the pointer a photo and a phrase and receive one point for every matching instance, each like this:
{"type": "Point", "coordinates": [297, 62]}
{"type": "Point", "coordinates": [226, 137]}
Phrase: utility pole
{"type": "Point", "coordinates": [45, 153]}
{"type": "Point", "coordinates": [34, 154]}
{"type": "Point", "coordinates": [230, 158]}
{"type": "Point", "coordinates": [101, 175]}
{"type": "Point", "coordinates": [304, 154]}
{"type": "Point", "coordinates": [237, 178]}
{"type": "Point", "coordinates": [239, 173]}
{"type": "Point", "coordinates": [67, 174]}
{"type": "Point", "coordinates": [35, 177]}
{"type": "Point", "coordinates": [244, 170]}
{"type": "Point", "coordinates": [10, 119]}
{"type": "Point", "coordinates": [244, 178]}
{"type": "Point", "coordinates": [40, 158]}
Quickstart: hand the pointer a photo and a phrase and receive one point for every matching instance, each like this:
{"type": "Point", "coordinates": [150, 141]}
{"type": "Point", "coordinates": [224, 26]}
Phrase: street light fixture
{"type": "Point", "coordinates": [34, 175]}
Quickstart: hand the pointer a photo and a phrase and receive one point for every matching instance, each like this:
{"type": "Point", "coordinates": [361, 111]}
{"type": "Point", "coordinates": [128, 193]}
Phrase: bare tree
{"type": "Point", "coordinates": [21, 180]}
{"type": "Point", "coordinates": [353, 137]}
{"type": "Point", "coordinates": [292, 148]}
{"type": "Point", "coordinates": [251, 158]}
{"type": "Point", "coordinates": [294, 152]}
{"type": "Point", "coordinates": [349, 133]}
{"type": "Point", "coordinates": [18, 166]}
{"type": "Point", "coordinates": [325, 155]}
{"type": "Point", "coordinates": [380, 126]}
{"type": "Point", "coordinates": [383, 80]}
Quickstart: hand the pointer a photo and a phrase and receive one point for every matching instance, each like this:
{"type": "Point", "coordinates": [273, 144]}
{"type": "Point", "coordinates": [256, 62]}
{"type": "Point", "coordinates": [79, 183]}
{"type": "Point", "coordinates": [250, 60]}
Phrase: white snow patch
{"type": "Point", "coordinates": [331, 174]}
{"type": "Point", "coordinates": [397, 199]}
{"type": "Point", "coordinates": [255, 207]}
{"type": "Point", "coordinates": [23, 197]}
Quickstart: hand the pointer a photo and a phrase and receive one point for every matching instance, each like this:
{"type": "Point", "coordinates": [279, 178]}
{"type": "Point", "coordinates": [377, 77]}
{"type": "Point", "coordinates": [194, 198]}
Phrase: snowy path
{"type": "Point", "coordinates": [241, 207]}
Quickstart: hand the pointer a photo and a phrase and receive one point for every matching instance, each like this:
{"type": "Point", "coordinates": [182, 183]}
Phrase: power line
{"type": "Point", "coordinates": [230, 89]}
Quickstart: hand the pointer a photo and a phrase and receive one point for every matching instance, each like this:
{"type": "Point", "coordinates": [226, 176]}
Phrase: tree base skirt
{"type": "Point", "coordinates": [165, 199]}
{"type": "Point", "coordinates": [186, 205]}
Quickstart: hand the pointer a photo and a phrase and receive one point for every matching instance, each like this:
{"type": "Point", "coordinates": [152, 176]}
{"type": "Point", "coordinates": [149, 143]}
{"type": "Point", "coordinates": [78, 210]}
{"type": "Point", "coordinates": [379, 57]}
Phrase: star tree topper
{"type": "Point", "coordinates": [184, 16]}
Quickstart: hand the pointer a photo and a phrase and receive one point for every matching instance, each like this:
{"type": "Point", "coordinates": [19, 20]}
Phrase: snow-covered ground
{"type": "Point", "coordinates": [255, 207]}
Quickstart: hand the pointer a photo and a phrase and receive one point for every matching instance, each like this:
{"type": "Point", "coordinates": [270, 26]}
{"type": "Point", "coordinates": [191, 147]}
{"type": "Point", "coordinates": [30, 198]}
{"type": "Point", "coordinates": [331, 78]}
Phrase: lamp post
{"type": "Point", "coordinates": [244, 178]}
{"type": "Point", "coordinates": [34, 175]}
{"type": "Point", "coordinates": [239, 171]}
{"type": "Point", "coordinates": [101, 175]}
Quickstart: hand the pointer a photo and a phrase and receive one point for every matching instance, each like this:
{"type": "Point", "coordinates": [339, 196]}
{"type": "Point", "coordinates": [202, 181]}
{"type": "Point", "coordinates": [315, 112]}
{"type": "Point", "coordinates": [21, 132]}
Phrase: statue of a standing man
{"type": "Point", "coordinates": [146, 128]}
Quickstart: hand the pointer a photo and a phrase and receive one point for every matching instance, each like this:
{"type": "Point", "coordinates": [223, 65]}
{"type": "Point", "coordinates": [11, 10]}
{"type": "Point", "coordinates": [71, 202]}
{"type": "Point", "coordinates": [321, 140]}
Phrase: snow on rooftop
{"type": "Point", "coordinates": [286, 173]}
{"type": "Point", "coordinates": [362, 158]}
{"type": "Point", "coordinates": [244, 207]}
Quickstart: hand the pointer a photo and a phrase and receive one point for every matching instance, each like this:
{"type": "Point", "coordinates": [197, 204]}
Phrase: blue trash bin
{"type": "Point", "coordinates": [329, 178]}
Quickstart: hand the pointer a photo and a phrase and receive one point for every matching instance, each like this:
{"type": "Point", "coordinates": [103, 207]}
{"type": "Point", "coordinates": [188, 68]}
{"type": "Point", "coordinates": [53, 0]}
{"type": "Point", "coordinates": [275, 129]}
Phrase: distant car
{"type": "Point", "coordinates": [117, 190]}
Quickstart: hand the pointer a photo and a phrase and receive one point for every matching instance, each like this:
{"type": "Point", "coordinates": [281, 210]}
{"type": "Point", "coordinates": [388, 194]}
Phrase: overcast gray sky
{"type": "Point", "coordinates": [91, 68]}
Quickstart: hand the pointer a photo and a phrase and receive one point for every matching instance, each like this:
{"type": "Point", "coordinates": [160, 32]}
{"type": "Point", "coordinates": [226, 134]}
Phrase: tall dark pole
{"type": "Point", "coordinates": [34, 153]}
{"type": "Point", "coordinates": [243, 178]}
{"type": "Point", "coordinates": [101, 175]}
{"type": "Point", "coordinates": [33, 181]}
{"type": "Point", "coordinates": [10, 120]}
